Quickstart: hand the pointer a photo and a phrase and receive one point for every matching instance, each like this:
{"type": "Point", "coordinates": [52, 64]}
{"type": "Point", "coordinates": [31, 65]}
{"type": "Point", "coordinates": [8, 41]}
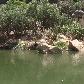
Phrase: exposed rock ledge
{"type": "Point", "coordinates": [40, 45]}
{"type": "Point", "coordinates": [75, 45]}
{"type": "Point", "coordinates": [43, 45]}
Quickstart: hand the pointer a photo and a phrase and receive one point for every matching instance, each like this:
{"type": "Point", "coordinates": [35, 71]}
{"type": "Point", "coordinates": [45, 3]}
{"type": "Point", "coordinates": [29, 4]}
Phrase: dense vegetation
{"type": "Point", "coordinates": [21, 17]}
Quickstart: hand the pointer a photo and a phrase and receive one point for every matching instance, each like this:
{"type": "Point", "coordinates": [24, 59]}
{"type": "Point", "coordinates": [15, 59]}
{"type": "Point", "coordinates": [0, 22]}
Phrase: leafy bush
{"type": "Point", "coordinates": [61, 45]}
{"type": "Point", "coordinates": [66, 7]}
{"type": "Point", "coordinates": [12, 15]}
{"type": "Point", "coordinates": [74, 30]}
{"type": "Point", "coordinates": [48, 14]}
{"type": "Point", "coordinates": [44, 12]}
{"type": "Point", "coordinates": [18, 16]}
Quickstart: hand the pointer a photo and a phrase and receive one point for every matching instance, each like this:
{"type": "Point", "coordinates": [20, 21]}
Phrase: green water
{"type": "Point", "coordinates": [29, 67]}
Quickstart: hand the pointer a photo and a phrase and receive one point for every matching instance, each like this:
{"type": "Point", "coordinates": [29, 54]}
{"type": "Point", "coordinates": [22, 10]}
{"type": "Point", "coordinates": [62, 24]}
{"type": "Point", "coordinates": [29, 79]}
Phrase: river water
{"type": "Point", "coordinates": [29, 67]}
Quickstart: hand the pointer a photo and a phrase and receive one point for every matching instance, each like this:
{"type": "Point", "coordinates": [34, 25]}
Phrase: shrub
{"type": "Point", "coordinates": [48, 14]}
{"type": "Point", "coordinates": [44, 12]}
{"type": "Point", "coordinates": [18, 16]}
{"type": "Point", "coordinates": [13, 16]}
{"type": "Point", "coordinates": [66, 6]}
{"type": "Point", "coordinates": [61, 45]}
{"type": "Point", "coordinates": [74, 30]}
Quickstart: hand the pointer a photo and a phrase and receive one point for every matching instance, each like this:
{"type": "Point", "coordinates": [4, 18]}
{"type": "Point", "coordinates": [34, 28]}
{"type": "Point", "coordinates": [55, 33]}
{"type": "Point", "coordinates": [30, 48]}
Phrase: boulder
{"type": "Point", "coordinates": [32, 46]}
{"type": "Point", "coordinates": [40, 45]}
{"type": "Point", "coordinates": [55, 50]}
{"type": "Point", "coordinates": [45, 48]}
{"type": "Point", "coordinates": [42, 48]}
{"type": "Point", "coordinates": [75, 45]}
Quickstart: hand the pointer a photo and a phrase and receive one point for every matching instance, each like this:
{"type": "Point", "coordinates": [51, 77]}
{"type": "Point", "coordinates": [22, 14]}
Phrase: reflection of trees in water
{"type": "Point", "coordinates": [77, 58]}
{"type": "Point", "coordinates": [12, 58]}
{"type": "Point", "coordinates": [47, 60]}
{"type": "Point", "coordinates": [18, 54]}
{"type": "Point", "coordinates": [24, 56]}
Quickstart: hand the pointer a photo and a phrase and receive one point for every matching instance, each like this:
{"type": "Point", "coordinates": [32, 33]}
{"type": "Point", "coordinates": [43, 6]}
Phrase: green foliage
{"type": "Point", "coordinates": [74, 30]}
{"type": "Point", "coordinates": [61, 45]}
{"type": "Point", "coordinates": [19, 16]}
{"type": "Point", "coordinates": [13, 17]}
{"type": "Point", "coordinates": [76, 0]}
{"type": "Point", "coordinates": [79, 5]}
{"type": "Point", "coordinates": [66, 6]}
{"type": "Point", "coordinates": [48, 14]}
{"type": "Point", "coordinates": [64, 20]}
{"type": "Point", "coordinates": [44, 12]}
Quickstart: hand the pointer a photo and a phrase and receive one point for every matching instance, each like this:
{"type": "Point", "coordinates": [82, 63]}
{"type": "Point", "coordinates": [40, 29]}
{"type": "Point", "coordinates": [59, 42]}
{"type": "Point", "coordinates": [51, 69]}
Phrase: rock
{"type": "Point", "coordinates": [40, 45]}
{"type": "Point", "coordinates": [42, 48]}
{"type": "Point", "coordinates": [42, 41]}
{"type": "Point", "coordinates": [45, 48]}
{"type": "Point", "coordinates": [32, 46]}
{"type": "Point", "coordinates": [11, 33]}
{"type": "Point", "coordinates": [24, 45]}
{"type": "Point", "coordinates": [55, 50]}
{"type": "Point", "coordinates": [75, 45]}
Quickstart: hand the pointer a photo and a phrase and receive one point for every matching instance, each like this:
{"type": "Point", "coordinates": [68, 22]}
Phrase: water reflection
{"type": "Point", "coordinates": [76, 57]}
{"type": "Point", "coordinates": [47, 60]}
{"type": "Point", "coordinates": [21, 67]}
{"type": "Point", "coordinates": [17, 54]}
{"type": "Point", "coordinates": [12, 57]}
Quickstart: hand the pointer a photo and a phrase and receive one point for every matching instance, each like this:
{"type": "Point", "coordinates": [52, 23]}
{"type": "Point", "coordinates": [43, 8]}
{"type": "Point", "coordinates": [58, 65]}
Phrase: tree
{"type": "Point", "coordinates": [76, 0]}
